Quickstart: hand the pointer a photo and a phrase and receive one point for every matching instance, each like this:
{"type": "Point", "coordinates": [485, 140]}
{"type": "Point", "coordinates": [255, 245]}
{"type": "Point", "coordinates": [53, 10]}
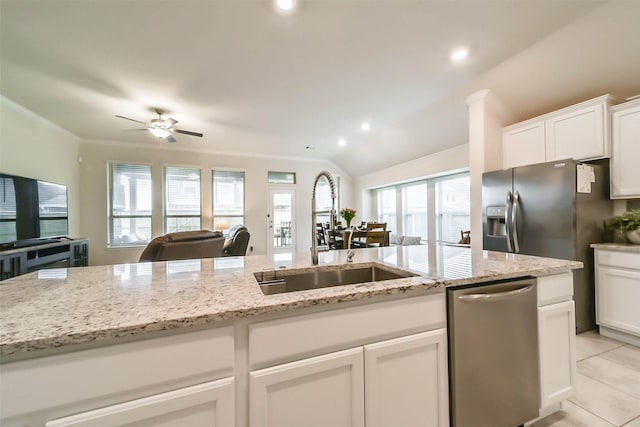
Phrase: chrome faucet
{"type": "Point", "coordinates": [350, 252]}
{"type": "Point", "coordinates": [314, 241]}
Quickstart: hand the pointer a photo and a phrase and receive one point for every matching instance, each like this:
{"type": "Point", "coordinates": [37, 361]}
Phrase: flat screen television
{"type": "Point", "coordinates": [31, 210]}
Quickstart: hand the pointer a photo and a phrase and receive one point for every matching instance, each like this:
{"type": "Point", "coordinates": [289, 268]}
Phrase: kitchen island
{"type": "Point", "coordinates": [198, 340]}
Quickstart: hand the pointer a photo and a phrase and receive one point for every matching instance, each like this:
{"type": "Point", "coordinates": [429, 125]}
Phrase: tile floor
{"type": "Point", "coordinates": [608, 386]}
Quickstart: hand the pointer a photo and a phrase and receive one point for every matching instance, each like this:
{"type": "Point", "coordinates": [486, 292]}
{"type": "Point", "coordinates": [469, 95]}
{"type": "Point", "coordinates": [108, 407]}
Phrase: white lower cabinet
{"type": "Point", "coordinates": [617, 294]}
{"type": "Point", "coordinates": [321, 391]}
{"type": "Point", "coordinates": [556, 329]}
{"type": "Point", "coordinates": [406, 381]}
{"type": "Point", "coordinates": [556, 339]}
{"type": "Point", "coordinates": [208, 404]}
{"type": "Point", "coordinates": [398, 382]}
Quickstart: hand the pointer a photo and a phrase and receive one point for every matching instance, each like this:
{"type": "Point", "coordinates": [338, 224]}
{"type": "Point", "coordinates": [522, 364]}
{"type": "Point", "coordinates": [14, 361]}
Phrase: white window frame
{"type": "Point", "coordinates": [216, 216]}
{"type": "Point", "coordinates": [110, 206]}
{"type": "Point", "coordinates": [165, 195]}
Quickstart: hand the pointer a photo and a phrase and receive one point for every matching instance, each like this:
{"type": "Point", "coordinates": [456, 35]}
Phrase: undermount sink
{"type": "Point", "coordinates": [282, 281]}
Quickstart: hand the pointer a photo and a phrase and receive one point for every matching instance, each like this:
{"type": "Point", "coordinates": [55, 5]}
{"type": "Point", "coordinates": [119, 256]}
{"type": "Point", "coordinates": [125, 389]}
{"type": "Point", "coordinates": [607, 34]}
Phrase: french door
{"type": "Point", "coordinates": [281, 221]}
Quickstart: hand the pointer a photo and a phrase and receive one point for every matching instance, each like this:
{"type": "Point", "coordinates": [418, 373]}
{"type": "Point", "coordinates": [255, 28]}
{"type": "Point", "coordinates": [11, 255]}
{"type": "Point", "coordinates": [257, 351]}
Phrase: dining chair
{"type": "Point", "coordinates": [320, 234]}
{"type": "Point", "coordinates": [333, 238]}
{"type": "Point", "coordinates": [374, 237]}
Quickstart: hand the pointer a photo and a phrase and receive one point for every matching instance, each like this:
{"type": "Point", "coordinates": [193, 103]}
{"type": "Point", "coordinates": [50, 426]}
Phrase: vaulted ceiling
{"type": "Point", "coordinates": [259, 82]}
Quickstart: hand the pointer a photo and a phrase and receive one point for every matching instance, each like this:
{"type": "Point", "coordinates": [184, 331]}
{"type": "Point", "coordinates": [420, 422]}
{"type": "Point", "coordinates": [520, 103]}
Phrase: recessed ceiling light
{"type": "Point", "coordinates": [342, 141]}
{"type": "Point", "coordinates": [285, 5]}
{"type": "Point", "coordinates": [365, 126]}
{"type": "Point", "coordinates": [459, 54]}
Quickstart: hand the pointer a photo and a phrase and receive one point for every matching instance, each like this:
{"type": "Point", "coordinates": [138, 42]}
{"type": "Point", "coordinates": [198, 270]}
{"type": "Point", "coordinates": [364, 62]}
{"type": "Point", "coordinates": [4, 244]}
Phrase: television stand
{"type": "Point", "coordinates": [48, 253]}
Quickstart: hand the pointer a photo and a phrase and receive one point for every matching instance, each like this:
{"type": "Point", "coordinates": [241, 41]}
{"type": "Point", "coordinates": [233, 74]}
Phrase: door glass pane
{"type": "Point", "coordinates": [414, 210]}
{"type": "Point", "coordinates": [282, 220]}
{"type": "Point", "coordinates": [453, 208]}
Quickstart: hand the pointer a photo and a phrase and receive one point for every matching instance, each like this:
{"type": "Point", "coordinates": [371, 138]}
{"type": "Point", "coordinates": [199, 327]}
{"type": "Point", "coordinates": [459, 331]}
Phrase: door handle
{"type": "Point", "coordinates": [514, 221]}
{"type": "Point", "coordinates": [495, 296]}
{"type": "Point", "coordinates": [507, 222]}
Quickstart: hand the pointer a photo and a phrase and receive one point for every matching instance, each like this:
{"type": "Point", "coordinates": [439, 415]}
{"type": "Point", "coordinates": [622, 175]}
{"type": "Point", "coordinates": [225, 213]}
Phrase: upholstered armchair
{"type": "Point", "coordinates": [184, 245]}
{"type": "Point", "coordinates": [237, 241]}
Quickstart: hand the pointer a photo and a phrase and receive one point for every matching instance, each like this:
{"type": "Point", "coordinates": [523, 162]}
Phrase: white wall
{"type": "Point", "coordinates": [33, 147]}
{"type": "Point", "coordinates": [452, 160]}
{"type": "Point", "coordinates": [97, 155]}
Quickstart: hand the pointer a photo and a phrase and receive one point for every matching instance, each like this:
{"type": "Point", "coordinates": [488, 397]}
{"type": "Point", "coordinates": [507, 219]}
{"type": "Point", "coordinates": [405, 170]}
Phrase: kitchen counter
{"type": "Point", "coordinates": [59, 307]}
{"type": "Point", "coordinates": [624, 247]}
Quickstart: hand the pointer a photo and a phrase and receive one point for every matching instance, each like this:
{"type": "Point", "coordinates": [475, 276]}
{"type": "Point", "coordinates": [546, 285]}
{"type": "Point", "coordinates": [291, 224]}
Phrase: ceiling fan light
{"type": "Point", "coordinates": [159, 132]}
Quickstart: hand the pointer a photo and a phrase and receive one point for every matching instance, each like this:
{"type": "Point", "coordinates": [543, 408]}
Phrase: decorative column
{"type": "Point", "coordinates": [487, 117]}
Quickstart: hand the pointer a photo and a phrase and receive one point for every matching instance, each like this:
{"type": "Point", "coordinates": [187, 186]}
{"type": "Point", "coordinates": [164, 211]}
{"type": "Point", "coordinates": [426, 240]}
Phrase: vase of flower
{"type": "Point", "coordinates": [348, 214]}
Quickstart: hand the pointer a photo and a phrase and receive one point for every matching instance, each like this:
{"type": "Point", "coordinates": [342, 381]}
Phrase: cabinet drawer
{"type": "Point", "coordinates": [133, 369]}
{"type": "Point", "coordinates": [281, 340]}
{"type": "Point", "coordinates": [555, 288]}
{"type": "Point", "coordinates": [618, 259]}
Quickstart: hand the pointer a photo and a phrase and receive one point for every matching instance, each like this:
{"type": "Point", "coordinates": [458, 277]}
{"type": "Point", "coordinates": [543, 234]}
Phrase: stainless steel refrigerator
{"type": "Point", "coordinates": [555, 209]}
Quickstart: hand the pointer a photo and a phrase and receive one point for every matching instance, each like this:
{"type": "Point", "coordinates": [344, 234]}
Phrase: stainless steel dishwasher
{"type": "Point", "coordinates": [493, 353]}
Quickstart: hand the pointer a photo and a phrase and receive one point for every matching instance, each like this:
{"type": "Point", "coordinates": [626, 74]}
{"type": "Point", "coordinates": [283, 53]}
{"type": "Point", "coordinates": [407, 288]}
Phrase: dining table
{"type": "Point", "coordinates": [360, 233]}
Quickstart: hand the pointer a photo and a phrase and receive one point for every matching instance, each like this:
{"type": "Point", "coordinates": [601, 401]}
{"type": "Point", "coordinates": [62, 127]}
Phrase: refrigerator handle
{"type": "Point", "coordinates": [507, 222]}
{"type": "Point", "coordinates": [514, 222]}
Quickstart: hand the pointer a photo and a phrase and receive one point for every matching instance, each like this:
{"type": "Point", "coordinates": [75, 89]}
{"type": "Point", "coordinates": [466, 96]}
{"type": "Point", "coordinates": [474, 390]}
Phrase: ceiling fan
{"type": "Point", "coordinates": [162, 128]}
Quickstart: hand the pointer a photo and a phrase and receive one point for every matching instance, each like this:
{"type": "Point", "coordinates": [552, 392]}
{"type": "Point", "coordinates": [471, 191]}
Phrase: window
{"type": "Point", "coordinates": [129, 204]}
{"type": "Point", "coordinates": [181, 199]}
{"type": "Point", "coordinates": [281, 177]}
{"type": "Point", "coordinates": [323, 200]}
{"type": "Point", "coordinates": [8, 211]}
{"type": "Point", "coordinates": [440, 206]}
{"type": "Point", "coordinates": [228, 199]}
{"type": "Point", "coordinates": [414, 210]}
{"type": "Point", "coordinates": [453, 207]}
{"type": "Point", "coordinates": [387, 207]}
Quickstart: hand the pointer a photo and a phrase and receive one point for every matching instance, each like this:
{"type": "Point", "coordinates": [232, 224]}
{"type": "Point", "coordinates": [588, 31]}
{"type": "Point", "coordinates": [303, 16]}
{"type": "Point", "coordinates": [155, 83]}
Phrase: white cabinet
{"type": "Point", "coordinates": [133, 381]}
{"type": "Point", "coordinates": [625, 173]}
{"type": "Point", "coordinates": [402, 381]}
{"type": "Point", "coordinates": [617, 294]}
{"type": "Point", "coordinates": [376, 365]}
{"type": "Point", "coordinates": [523, 144]}
{"type": "Point", "coordinates": [406, 381]}
{"type": "Point", "coordinates": [556, 339]}
{"type": "Point", "coordinates": [321, 391]}
{"type": "Point", "coordinates": [580, 132]}
{"type": "Point", "coordinates": [210, 404]}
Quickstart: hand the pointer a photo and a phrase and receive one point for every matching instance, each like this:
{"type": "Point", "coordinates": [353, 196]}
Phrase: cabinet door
{"type": "Point", "coordinates": [209, 404]}
{"type": "Point", "coordinates": [523, 145]}
{"type": "Point", "coordinates": [321, 391]}
{"type": "Point", "coordinates": [625, 173]}
{"type": "Point", "coordinates": [406, 381]}
{"type": "Point", "coordinates": [617, 296]}
{"type": "Point", "coordinates": [556, 338]}
{"type": "Point", "coordinates": [578, 135]}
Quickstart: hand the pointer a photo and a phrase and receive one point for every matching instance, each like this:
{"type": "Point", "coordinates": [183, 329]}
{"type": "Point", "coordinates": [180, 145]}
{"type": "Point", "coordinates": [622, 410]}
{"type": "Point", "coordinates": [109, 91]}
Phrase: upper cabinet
{"type": "Point", "coordinates": [523, 145]}
{"type": "Point", "coordinates": [625, 173]}
{"type": "Point", "coordinates": [580, 132]}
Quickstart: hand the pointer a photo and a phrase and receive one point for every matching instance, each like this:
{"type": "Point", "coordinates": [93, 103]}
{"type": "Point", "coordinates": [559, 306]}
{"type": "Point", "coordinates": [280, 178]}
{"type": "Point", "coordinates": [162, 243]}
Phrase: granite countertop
{"type": "Point", "coordinates": [623, 247]}
{"type": "Point", "coordinates": [53, 308]}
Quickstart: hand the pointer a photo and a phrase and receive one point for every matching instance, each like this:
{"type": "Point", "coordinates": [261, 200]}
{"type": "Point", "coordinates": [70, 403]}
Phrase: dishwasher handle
{"type": "Point", "coordinates": [495, 296]}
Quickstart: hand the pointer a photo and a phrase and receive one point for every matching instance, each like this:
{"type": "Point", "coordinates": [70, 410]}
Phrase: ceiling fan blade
{"type": "Point", "coordinates": [167, 123]}
{"type": "Point", "coordinates": [133, 130]}
{"type": "Point", "coordinates": [170, 138]}
{"type": "Point", "coordinates": [133, 120]}
{"type": "Point", "coordinates": [186, 132]}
